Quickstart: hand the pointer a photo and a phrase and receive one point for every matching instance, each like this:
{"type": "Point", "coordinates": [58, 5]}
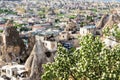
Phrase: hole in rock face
{"type": "Point", "coordinates": [48, 54]}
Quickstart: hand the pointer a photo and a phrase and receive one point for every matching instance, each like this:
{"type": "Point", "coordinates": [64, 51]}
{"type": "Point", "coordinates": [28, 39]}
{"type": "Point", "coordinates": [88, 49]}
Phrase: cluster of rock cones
{"type": "Point", "coordinates": [13, 49]}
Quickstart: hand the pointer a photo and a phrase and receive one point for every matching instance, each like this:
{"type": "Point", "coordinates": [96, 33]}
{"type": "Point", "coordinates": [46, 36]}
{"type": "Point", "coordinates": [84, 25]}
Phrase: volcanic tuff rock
{"type": "Point", "coordinates": [71, 26]}
{"type": "Point", "coordinates": [12, 47]}
{"type": "Point", "coordinates": [2, 63]}
{"type": "Point", "coordinates": [108, 21]}
{"type": "Point", "coordinates": [103, 21]}
{"type": "Point", "coordinates": [38, 56]}
{"type": "Point", "coordinates": [31, 43]}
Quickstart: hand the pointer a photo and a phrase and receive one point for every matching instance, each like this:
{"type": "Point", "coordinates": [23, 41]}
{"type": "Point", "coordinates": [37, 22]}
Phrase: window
{"type": "Point", "coordinates": [45, 44]}
{"type": "Point", "coordinates": [97, 33]}
{"type": "Point", "coordinates": [4, 71]}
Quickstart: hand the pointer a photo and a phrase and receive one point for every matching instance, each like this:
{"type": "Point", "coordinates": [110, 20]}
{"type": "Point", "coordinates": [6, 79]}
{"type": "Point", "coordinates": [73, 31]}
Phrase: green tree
{"type": "Point", "coordinates": [93, 61]}
{"type": "Point", "coordinates": [41, 14]}
{"type": "Point", "coordinates": [72, 17]}
{"type": "Point", "coordinates": [116, 32]}
{"type": "Point", "coordinates": [16, 25]}
{"type": "Point", "coordinates": [7, 11]}
{"type": "Point", "coordinates": [90, 18]}
{"type": "Point", "coordinates": [110, 61]}
{"type": "Point", "coordinates": [82, 24]}
{"type": "Point", "coordinates": [89, 56]}
{"type": "Point", "coordinates": [1, 31]}
{"type": "Point", "coordinates": [106, 31]}
{"type": "Point", "coordinates": [63, 67]}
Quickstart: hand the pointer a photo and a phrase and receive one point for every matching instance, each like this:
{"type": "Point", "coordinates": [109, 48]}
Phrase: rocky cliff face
{"type": "Point", "coordinates": [103, 21]}
{"type": "Point", "coordinates": [108, 21]}
{"type": "Point", "coordinates": [12, 47]}
{"type": "Point", "coordinates": [31, 43]}
{"type": "Point", "coordinates": [113, 19]}
{"type": "Point", "coordinates": [38, 56]}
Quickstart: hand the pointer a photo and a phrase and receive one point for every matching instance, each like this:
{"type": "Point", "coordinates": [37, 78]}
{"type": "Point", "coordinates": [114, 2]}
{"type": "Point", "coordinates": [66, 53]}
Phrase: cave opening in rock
{"type": "Point", "coordinates": [48, 54]}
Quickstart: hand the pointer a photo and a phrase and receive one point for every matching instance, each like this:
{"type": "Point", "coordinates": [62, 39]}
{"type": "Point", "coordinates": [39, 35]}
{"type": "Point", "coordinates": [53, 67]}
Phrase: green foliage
{"type": "Point", "coordinates": [94, 10]}
{"type": "Point", "coordinates": [72, 17]}
{"type": "Point", "coordinates": [110, 61]}
{"type": "Point", "coordinates": [114, 31]}
{"type": "Point", "coordinates": [24, 29]}
{"type": "Point", "coordinates": [106, 31]}
{"type": "Point", "coordinates": [60, 15]}
{"type": "Point", "coordinates": [6, 11]}
{"type": "Point", "coordinates": [82, 24]}
{"type": "Point", "coordinates": [63, 66]}
{"type": "Point", "coordinates": [16, 25]}
{"type": "Point", "coordinates": [93, 61]}
{"type": "Point", "coordinates": [20, 27]}
{"type": "Point", "coordinates": [1, 31]}
{"type": "Point", "coordinates": [90, 18]}
{"type": "Point", "coordinates": [41, 14]}
{"type": "Point", "coordinates": [89, 56]}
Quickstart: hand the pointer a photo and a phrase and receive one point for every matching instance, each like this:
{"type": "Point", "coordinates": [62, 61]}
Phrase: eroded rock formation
{"type": "Point", "coordinates": [39, 55]}
{"type": "Point", "coordinates": [71, 26]}
{"type": "Point", "coordinates": [12, 46]}
{"type": "Point", "coordinates": [31, 43]}
{"type": "Point", "coordinates": [103, 21]}
{"type": "Point", "coordinates": [108, 21]}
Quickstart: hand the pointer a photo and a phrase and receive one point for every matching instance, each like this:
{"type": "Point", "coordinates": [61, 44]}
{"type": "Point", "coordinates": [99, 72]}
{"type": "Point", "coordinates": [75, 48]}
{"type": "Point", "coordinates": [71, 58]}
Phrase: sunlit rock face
{"type": "Point", "coordinates": [108, 21]}
{"type": "Point", "coordinates": [39, 55]}
{"type": "Point", "coordinates": [103, 21]}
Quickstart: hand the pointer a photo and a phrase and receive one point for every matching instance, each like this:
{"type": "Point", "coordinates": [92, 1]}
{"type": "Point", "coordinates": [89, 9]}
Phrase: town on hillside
{"type": "Point", "coordinates": [31, 32]}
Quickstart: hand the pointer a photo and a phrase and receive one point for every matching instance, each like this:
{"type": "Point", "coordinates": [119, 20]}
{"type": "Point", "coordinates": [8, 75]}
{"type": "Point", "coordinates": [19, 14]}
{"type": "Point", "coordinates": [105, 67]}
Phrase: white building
{"type": "Point", "coordinates": [87, 29]}
{"type": "Point", "coordinates": [15, 72]}
{"type": "Point", "coordinates": [51, 45]}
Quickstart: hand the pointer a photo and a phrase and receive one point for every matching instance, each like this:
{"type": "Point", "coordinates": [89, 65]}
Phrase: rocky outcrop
{"type": "Point", "coordinates": [103, 21]}
{"type": "Point", "coordinates": [38, 56]}
{"type": "Point", "coordinates": [31, 43]}
{"type": "Point", "coordinates": [113, 19]}
{"type": "Point", "coordinates": [12, 46]}
{"type": "Point", "coordinates": [108, 21]}
{"type": "Point", "coordinates": [2, 63]}
{"type": "Point", "coordinates": [71, 26]}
